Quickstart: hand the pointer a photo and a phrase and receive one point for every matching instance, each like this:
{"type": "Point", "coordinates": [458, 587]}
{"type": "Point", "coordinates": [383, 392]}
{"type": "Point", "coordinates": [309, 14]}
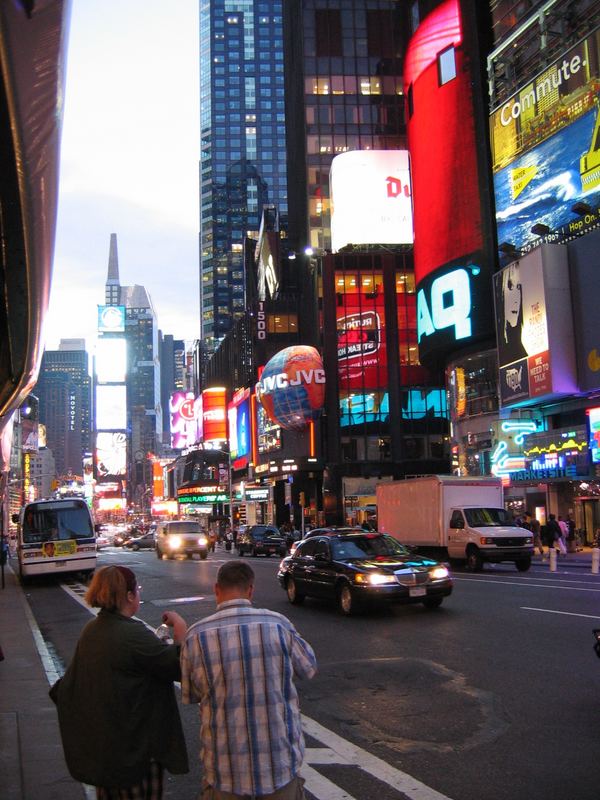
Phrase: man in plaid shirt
{"type": "Point", "coordinates": [239, 665]}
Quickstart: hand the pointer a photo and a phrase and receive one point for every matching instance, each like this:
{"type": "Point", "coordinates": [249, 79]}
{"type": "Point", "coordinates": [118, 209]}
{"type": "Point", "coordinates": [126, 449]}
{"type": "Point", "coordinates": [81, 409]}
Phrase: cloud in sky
{"type": "Point", "coordinates": [129, 164]}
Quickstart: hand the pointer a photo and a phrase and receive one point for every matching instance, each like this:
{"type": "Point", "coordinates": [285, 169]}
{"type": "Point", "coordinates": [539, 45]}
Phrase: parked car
{"type": "Point", "coordinates": [181, 537]}
{"type": "Point", "coordinates": [260, 540]}
{"type": "Point", "coordinates": [358, 568]}
{"type": "Point", "coordinates": [144, 542]}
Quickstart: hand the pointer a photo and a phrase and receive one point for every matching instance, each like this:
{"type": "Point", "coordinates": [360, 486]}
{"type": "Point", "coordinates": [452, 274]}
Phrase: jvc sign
{"type": "Point", "coordinates": [449, 310]}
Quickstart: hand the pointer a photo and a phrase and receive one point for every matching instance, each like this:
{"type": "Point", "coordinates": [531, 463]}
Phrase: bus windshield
{"type": "Point", "coordinates": [52, 522]}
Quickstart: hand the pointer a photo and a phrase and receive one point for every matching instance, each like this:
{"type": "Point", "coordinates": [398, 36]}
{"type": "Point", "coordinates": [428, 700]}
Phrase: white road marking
{"type": "Point", "coordinates": [173, 600]}
{"type": "Point", "coordinates": [351, 754]}
{"type": "Point", "coordinates": [526, 585]}
{"type": "Point", "coordinates": [77, 591]}
{"type": "Point", "coordinates": [321, 787]}
{"type": "Point", "coordinates": [565, 613]}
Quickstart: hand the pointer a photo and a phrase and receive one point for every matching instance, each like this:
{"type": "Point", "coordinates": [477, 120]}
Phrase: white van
{"type": "Point", "coordinates": [181, 536]}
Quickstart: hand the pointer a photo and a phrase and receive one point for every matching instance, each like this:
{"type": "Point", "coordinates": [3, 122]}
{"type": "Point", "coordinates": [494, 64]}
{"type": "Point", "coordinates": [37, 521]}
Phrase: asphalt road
{"type": "Point", "coordinates": [494, 696]}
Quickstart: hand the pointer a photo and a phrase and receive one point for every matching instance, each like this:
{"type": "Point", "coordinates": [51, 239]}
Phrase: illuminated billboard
{"type": "Point", "coordinates": [593, 415]}
{"type": "Point", "coordinates": [360, 325]}
{"type": "Point", "coordinates": [370, 199]}
{"type": "Point", "coordinates": [453, 251]}
{"type": "Point", "coordinates": [585, 289]}
{"type": "Point", "coordinates": [240, 434]}
{"type": "Point", "coordinates": [214, 416]}
{"type": "Point", "coordinates": [268, 432]}
{"type": "Point", "coordinates": [111, 455]}
{"type": "Point", "coordinates": [267, 268]}
{"type": "Point", "coordinates": [534, 328]}
{"type": "Point", "coordinates": [291, 388]}
{"type": "Point", "coordinates": [111, 359]}
{"type": "Point", "coordinates": [360, 408]}
{"type": "Point", "coordinates": [545, 150]}
{"type": "Point", "coordinates": [111, 319]}
{"type": "Point", "coordinates": [185, 414]}
{"type": "Point", "coordinates": [111, 407]}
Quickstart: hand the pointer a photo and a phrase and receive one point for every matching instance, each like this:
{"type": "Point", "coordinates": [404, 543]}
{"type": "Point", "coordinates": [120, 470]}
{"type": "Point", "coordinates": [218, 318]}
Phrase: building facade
{"type": "Point", "coordinates": [64, 393]}
{"type": "Point", "coordinates": [243, 163]}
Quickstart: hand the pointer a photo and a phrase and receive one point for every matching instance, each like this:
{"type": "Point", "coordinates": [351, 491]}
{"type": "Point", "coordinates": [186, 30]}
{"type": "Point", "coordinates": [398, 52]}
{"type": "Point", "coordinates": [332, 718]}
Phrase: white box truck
{"type": "Point", "coordinates": [460, 518]}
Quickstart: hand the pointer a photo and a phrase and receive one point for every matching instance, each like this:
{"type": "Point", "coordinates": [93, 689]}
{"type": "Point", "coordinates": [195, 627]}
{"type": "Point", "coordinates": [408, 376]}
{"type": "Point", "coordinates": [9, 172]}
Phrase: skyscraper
{"type": "Point", "coordinates": [243, 147]}
{"type": "Point", "coordinates": [142, 379]}
{"type": "Point", "coordinates": [64, 393]}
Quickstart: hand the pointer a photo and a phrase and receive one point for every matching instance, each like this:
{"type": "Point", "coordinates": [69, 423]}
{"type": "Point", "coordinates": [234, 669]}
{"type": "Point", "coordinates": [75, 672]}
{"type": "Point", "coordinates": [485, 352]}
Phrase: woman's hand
{"type": "Point", "coordinates": [179, 625]}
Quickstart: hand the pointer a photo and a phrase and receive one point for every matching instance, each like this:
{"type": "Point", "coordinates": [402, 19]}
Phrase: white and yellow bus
{"type": "Point", "coordinates": [55, 536]}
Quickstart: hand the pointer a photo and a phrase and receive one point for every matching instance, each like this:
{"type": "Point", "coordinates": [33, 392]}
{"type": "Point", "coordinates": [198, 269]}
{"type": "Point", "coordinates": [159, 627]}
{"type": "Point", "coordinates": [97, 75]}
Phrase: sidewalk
{"type": "Point", "coordinates": [582, 559]}
{"type": "Point", "coordinates": [32, 765]}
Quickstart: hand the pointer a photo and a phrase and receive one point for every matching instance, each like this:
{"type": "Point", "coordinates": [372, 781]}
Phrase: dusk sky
{"type": "Point", "coordinates": [129, 164]}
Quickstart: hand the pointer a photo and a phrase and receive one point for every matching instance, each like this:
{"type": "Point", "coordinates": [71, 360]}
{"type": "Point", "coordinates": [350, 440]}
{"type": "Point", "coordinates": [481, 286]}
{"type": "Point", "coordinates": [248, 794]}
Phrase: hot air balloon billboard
{"type": "Point", "coordinates": [291, 388]}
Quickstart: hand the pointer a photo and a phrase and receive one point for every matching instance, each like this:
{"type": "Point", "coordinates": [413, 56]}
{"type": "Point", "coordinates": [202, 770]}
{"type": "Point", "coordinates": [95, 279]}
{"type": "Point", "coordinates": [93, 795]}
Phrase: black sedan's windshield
{"type": "Point", "coordinates": [366, 547]}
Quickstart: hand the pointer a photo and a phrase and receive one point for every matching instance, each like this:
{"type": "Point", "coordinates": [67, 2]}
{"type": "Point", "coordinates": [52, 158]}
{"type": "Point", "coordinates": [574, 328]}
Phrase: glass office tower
{"type": "Point", "coordinates": [243, 145]}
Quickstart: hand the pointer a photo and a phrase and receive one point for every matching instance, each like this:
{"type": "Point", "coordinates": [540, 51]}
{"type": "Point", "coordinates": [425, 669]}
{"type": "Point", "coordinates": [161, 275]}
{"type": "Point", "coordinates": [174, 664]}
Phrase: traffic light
{"type": "Point", "coordinates": [302, 499]}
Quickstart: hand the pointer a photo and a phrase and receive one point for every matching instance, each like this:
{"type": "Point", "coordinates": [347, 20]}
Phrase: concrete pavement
{"type": "Point", "coordinates": [32, 766]}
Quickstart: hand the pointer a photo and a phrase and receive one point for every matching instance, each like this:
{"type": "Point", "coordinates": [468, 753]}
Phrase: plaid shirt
{"type": "Point", "coordinates": [239, 665]}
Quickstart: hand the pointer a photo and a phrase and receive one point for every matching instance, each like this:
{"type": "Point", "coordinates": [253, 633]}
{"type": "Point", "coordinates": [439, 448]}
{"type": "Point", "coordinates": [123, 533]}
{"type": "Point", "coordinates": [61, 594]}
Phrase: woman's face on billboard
{"type": "Point", "coordinates": [512, 295]}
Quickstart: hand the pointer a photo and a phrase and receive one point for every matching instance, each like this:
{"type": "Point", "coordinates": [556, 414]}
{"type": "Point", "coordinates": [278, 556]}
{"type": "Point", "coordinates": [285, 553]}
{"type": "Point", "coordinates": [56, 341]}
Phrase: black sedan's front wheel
{"type": "Point", "coordinates": [294, 596]}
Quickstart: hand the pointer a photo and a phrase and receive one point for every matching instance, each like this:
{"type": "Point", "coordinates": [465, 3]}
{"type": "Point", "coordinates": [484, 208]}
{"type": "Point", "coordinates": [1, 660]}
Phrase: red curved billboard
{"type": "Point", "coordinates": [451, 253]}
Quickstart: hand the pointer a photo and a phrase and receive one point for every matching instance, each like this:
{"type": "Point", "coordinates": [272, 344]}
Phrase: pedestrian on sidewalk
{"type": "Point", "coordinates": [239, 665]}
{"type": "Point", "coordinates": [564, 535]}
{"type": "Point", "coordinates": [117, 711]}
{"type": "Point", "coordinates": [535, 528]}
{"type": "Point", "coordinates": [553, 534]}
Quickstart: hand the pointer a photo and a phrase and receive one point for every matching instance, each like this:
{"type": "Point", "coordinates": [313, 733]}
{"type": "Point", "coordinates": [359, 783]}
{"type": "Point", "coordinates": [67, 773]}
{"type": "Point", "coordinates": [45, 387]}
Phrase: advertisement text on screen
{"type": "Point", "coordinates": [282, 381]}
{"type": "Point", "coordinates": [448, 305]}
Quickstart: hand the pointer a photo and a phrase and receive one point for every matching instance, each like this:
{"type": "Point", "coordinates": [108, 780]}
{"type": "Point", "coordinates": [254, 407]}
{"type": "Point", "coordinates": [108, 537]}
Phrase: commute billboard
{"type": "Point", "coordinates": [545, 153]}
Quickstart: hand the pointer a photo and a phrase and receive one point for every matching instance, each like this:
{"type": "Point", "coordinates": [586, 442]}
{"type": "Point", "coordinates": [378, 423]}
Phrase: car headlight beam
{"type": "Point", "coordinates": [174, 542]}
{"type": "Point", "coordinates": [439, 573]}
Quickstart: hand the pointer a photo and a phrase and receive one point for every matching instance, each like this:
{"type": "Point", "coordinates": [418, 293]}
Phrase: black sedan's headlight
{"type": "Point", "coordinates": [374, 578]}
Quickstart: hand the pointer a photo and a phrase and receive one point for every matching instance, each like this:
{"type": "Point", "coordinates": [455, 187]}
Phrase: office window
{"type": "Point", "coordinates": [328, 30]}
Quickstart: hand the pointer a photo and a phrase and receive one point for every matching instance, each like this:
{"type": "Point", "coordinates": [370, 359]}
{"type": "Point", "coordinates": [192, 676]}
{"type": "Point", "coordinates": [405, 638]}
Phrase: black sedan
{"type": "Point", "coordinates": [359, 568]}
{"type": "Point", "coordinates": [147, 541]}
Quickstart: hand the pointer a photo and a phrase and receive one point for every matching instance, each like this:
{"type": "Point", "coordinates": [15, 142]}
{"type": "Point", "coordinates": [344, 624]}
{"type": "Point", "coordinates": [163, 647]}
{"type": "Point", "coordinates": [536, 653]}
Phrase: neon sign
{"type": "Point", "coordinates": [449, 305]}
